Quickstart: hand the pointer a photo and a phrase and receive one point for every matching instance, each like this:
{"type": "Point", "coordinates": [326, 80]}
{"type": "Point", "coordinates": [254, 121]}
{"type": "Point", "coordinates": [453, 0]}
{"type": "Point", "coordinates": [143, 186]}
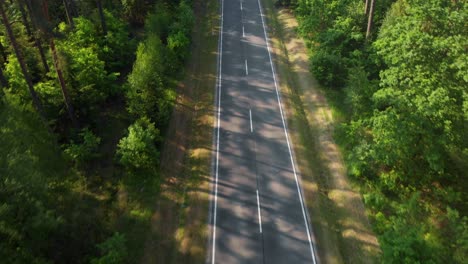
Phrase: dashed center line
{"type": "Point", "coordinates": [259, 214]}
{"type": "Point", "coordinates": [251, 126]}
{"type": "Point", "coordinates": [246, 68]}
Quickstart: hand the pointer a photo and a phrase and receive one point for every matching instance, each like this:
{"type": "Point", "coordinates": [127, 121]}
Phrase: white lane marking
{"type": "Point", "coordinates": [251, 126]}
{"type": "Point", "coordinates": [246, 68]}
{"type": "Point", "coordinates": [286, 134]}
{"type": "Point", "coordinates": [259, 214]}
{"type": "Point", "coordinates": [241, 5]}
{"type": "Point", "coordinates": [243, 32]}
{"type": "Point", "coordinates": [220, 65]}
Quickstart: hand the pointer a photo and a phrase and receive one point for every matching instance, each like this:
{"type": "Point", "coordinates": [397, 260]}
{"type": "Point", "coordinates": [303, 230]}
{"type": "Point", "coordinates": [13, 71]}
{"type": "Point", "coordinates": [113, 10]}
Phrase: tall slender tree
{"type": "Point", "coordinates": [369, 22]}
{"type": "Point", "coordinates": [35, 98]}
{"type": "Point", "coordinates": [68, 13]}
{"type": "Point", "coordinates": [103, 19]}
{"type": "Point", "coordinates": [57, 66]}
{"type": "Point", "coordinates": [32, 35]}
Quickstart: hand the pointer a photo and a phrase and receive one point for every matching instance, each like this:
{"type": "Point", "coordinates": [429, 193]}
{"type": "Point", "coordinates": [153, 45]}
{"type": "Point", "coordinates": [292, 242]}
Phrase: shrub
{"type": "Point", "coordinates": [329, 69]}
{"type": "Point", "coordinates": [137, 152]}
{"type": "Point", "coordinates": [84, 151]}
{"type": "Point", "coordinates": [113, 250]}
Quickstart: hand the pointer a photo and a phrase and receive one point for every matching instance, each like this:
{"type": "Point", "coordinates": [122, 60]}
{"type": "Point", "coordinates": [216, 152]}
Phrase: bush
{"type": "Point", "coordinates": [86, 150]}
{"type": "Point", "coordinates": [329, 69]}
{"type": "Point", "coordinates": [137, 152]}
{"type": "Point", "coordinates": [113, 250]}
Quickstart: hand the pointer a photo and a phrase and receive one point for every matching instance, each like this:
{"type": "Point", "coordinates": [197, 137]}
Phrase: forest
{"type": "Point", "coordinates": [87, 88]}
{"type": "Point", "coordinates": [396, 74]}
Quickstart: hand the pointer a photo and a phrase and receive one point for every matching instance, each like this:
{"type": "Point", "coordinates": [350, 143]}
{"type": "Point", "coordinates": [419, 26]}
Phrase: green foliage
{"type": "Point", "coordinates": [135, 10]}
{"type": "Point", "coordinates": [329, 69]}
{"type": "Point", "coordinates": [405, 133]}
{"type": "Point", "coordinates": [85, 150]}
{"type": "Point", "coordinates": [137, 152]}
{"type": "Point", "coordinates": [16, 81]}
{"type": "Point", "coordinates": [359, 90]}
{"type": "Point", "coordinates": [30, 169]}
{"type": "Point", "coordinates": [178, 40]}
{"type": "Point", "coordinates": [90, 81]}
{"type": "Point", "coordinates": [50, 213]}
{"type": "Point", "coordinates": [145, 82]}
{"type": "Point", "coordinates": [113, 250]}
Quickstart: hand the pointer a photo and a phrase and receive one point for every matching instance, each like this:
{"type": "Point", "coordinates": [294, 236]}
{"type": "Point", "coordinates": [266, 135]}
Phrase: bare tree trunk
{"type": "Point", "coordinates": [36, 101]}
{"type": "Point", "coordinates": [103, 19]}
{"type": "Point", "coordinates": [63, 86]}
{"type": "Point", "coordinates": [365, 9]}
{"type": "Point", "coordinates": [369, 22]}
{"type": "Point", "coordinates": [37, 41]}
{"type": "Point", "coordinates": [68, 13]}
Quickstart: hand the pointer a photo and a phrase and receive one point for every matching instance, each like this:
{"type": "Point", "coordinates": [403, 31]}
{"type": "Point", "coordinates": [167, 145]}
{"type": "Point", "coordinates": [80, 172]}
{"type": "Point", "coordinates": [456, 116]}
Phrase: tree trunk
{"type": "Point", "coordinates": [36, 101]}
{"type": "Point", "coordinates": [37, 41]}
{"type": "Point", "coordinates": [24, 17]}
{"type": "Point", "coordinates": [103, 19]}
{"type": "Point", "coordinates": [63, 86]}
{"type": "Point", "coordinates": [3, 81]}
{"type": "Point", "coordinates": [3, 53]}
{"type": "Point", "coordinates": [365, 8]}
{"type": "Point", "coordinates": [369, 22]}
{"type": "Point", "coordinates": [68, 13]}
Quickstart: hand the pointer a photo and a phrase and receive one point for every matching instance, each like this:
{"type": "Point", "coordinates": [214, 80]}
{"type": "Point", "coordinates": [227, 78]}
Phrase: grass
{"type": "Point", "coordinates": [338, 217]}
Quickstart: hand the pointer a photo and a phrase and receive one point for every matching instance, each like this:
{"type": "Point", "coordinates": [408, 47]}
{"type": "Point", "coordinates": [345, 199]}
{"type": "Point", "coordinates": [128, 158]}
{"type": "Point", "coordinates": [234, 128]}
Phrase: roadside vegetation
{"type": "Point", "coordinates": [87, 89]}
{"type": "Point", "coordinates": [395, 73]}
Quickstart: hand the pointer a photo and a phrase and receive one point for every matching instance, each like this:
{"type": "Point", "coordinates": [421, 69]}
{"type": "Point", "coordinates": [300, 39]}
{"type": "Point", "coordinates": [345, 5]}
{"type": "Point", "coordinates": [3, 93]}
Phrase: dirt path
{"type": "Point", "coordinates": [338, 215]}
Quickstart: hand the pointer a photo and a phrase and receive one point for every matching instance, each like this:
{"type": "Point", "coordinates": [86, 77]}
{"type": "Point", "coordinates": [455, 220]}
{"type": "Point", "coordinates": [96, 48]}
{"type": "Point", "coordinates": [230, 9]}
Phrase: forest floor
{"type": "Point", "coordinates": [178, 224]}
{"type": "Point", "coordinates": [339, 221]}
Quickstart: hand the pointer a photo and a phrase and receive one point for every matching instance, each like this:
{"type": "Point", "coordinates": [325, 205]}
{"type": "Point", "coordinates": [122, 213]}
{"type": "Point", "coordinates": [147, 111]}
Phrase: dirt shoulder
{"type": "Point", "coordinates": [179, 221]}
{"type": "Point", "coordinates": [340, 224]}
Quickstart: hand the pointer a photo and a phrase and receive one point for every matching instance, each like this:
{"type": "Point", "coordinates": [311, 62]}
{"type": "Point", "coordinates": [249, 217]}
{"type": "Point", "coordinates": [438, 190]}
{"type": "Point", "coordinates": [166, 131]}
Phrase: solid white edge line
{"type": "Point", "coordinates": [246, 68]}
{"type": "Point", "coordinates": [220, 55]}
{"type": "Point", "coordinates": [286, 134]}
{"type": "Point", "coordinates": [259, 213]}
{"type": "Point", "coordinates": [250, 114]}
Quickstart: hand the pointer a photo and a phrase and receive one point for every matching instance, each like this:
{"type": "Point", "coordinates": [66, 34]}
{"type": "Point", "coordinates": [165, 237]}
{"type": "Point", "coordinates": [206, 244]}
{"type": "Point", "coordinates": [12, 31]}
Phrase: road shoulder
{"type": "Point", "coordinates": [179, 228]}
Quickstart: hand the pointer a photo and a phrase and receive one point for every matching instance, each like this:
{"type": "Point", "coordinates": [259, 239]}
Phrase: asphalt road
{"type": "Point", "coordinates": [257, 213]}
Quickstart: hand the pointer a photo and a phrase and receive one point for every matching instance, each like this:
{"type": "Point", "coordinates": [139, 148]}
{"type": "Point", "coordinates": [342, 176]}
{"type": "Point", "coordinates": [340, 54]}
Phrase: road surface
{"type": "Point", "coordinates": [258, 214]}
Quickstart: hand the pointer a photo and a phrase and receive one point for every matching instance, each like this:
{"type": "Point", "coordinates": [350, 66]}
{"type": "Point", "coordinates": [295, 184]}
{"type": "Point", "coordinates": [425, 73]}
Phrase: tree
{"type": "Point", "coordinates": [145, 83]}
{"type": "Point", "coordinates": [36, 39]}
{"type": "Point", "coordinates": [137, 151]}
{"type": "Point", "coordinates": [36, 101]}
{"type": "Point", "coordinates": [113, 250]}
{"type": "Point", "coordinates": [57, 66]}
{"type": "Point", "coordinates": [102, 17]}
{"type": "Point", "coordinates": [31, 170]}
{"type": "Point", "coordinates": [369, 22]}
{"type": "Point", "coordinates": [68, 13]}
